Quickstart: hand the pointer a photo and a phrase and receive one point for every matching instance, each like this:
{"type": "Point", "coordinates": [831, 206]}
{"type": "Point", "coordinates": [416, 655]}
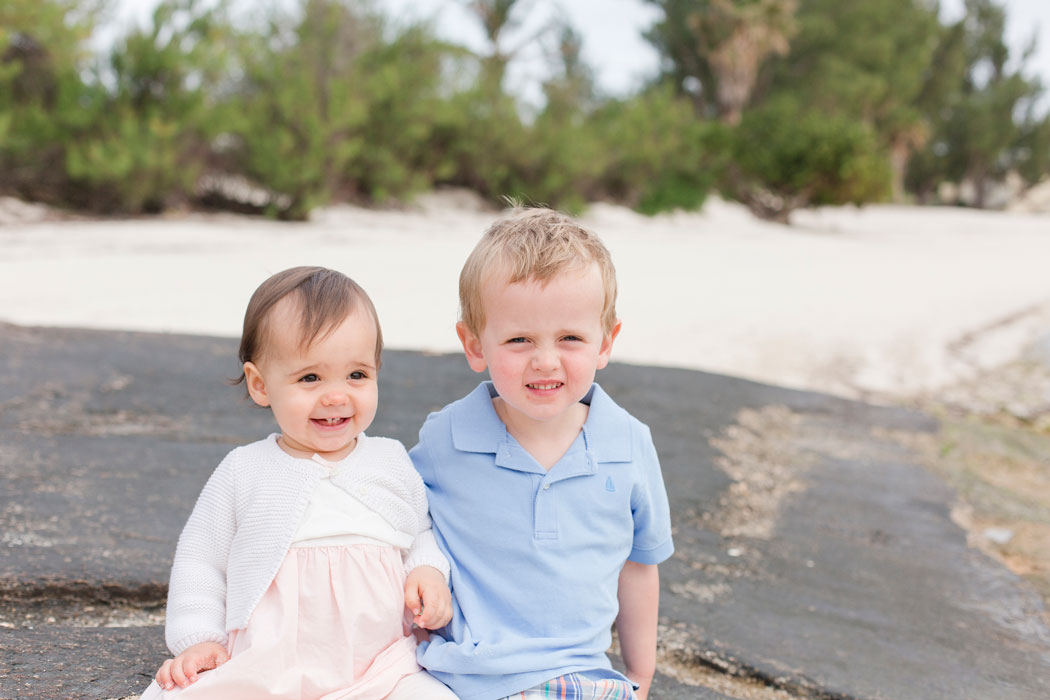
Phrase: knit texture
{"type": "Point", "coordinates": [245, 517]}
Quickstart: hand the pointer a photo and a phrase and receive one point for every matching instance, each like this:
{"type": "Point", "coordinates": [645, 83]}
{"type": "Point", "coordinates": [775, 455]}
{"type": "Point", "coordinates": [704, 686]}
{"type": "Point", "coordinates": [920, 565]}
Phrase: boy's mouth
{"type": "Point", "coordinates": [544, 386]}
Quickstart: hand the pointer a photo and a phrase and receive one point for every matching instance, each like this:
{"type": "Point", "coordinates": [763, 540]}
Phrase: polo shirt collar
{"type": "Point", "coordinates": [475, 425]}
{"type": "Point", "coordinates": [607, 430]}
{"type": "Point", "coordinates": [477, 428]}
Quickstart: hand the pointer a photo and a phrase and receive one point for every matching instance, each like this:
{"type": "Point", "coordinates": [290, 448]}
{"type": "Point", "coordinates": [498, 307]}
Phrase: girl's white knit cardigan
{"type": "Point", "coordinates": [244, 520]}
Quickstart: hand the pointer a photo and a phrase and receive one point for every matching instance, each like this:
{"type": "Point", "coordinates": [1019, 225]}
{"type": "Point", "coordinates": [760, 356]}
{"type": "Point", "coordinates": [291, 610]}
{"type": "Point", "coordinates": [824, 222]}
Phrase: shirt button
{"type": "Point", "coordinates": [546, 486]}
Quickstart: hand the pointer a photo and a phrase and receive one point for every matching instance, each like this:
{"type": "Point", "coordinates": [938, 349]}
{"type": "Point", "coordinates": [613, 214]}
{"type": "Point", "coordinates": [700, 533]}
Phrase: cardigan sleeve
{"type": "Point", "coordinates": [197, 589]}
{"type": "Point", "coordinates": [424, 550]}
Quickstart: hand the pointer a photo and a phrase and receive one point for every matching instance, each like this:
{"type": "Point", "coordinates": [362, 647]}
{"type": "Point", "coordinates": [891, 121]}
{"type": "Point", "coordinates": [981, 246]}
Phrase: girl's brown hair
{"type": "Point", "coordinates": [324, 298]}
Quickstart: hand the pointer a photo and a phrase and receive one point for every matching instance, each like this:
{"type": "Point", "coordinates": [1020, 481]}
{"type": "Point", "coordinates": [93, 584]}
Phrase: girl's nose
{"type": "Point", "coordinates": [335, 398]}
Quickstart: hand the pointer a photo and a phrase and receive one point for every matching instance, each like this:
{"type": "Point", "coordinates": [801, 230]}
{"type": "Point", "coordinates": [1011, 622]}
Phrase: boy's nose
{"type": "Point", "coordinates": [545, 359]}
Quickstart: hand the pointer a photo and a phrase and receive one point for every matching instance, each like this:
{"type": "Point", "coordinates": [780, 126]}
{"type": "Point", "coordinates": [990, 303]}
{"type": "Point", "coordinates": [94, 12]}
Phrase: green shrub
{"type": "Point", "coordinates": [148, 142]}
{"type": "Point", "coordinates": [301, 116]}
{"type": "Point", "coordinates": [658, 155]}
{"type": "Point", "coordinates": [41, 93]}
{"type": "Point", "coordinates": [786, 157]}
{"type": "Point", "coordinates": [333, 108]}
{"type": "Point", "coordinates": [482, 135]}
{"type": "Point", "coordinates": [401, 81]}
{"type": "Point", "coordinates": [128, 134]}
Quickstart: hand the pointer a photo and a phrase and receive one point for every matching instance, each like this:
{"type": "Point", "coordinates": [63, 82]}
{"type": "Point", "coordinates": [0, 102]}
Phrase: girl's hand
{"type": "Point", "coordinates": [428, 597]}
{"type": "Point", "coordinates": [183, 669]}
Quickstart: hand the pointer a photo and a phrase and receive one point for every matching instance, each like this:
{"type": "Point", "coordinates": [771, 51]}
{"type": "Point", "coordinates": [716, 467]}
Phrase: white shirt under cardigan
{"type": "Point", "coordinates": [248, 513]}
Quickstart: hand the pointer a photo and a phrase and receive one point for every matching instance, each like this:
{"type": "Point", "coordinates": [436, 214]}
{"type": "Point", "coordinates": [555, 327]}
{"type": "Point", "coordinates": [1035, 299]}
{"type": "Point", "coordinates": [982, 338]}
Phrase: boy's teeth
{"type": "Point", "coordinates": [544, 386]}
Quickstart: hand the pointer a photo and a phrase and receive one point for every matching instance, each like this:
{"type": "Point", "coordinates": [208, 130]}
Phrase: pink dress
{"type": "Point", "coordinates": [332, 625]}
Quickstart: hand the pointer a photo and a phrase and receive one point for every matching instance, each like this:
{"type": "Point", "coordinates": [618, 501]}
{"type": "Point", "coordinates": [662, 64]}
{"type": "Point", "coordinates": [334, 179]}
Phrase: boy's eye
{"type": "Point", "coordinates": [307, 378]}
{"type": "Point", "coordinates": [517, 340]}
{"type": "Point", "coordinates": [358, 375]}
{"type": "Point", "coordinates": [573, 338]}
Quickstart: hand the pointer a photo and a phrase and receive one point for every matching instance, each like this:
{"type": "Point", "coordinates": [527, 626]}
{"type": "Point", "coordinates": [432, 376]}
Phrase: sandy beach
{"type": "Point", "coordinates": [884, 302]}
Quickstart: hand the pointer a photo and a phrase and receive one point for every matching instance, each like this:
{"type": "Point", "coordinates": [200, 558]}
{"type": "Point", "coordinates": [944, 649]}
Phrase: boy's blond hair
{"type": "Point", "coordinates": [324, 299]}
{"type": "Point", "coordinates": [533, 244]}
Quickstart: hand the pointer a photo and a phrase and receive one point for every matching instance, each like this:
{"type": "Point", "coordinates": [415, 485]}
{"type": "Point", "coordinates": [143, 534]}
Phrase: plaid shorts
{"type": "Point", "coordinates": [573, 686]}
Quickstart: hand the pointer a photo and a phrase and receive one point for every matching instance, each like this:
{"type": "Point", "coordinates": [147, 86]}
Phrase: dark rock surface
{"type": "Point", "coordinates": [813, 552]}
{"type": "Point", "coordinates": [78, 662]}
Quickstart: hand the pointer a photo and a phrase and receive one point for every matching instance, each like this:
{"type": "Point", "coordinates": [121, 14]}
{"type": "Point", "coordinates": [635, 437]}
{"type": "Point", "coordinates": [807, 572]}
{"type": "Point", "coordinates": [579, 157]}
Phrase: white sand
{"type": "Point", "coordinates": [885, 301]}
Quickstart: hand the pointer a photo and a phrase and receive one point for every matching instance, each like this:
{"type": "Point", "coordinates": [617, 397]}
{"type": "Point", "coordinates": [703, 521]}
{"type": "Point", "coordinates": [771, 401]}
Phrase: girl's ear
{"type": "Point", "coordinates": [253, 379]}
{"type": "Point", "coordinates": [471, 347]}
{"type": "Point", "coordinates": [607, 342]}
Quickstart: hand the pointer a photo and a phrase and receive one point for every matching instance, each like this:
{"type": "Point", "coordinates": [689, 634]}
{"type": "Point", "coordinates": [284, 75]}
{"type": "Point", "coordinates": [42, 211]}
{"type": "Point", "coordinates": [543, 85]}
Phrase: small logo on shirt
{"type": "Point", "coordinates": [609, 485]}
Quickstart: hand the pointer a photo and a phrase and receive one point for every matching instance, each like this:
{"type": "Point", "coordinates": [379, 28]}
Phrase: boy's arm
{"type": "Point", "coordinates": [639, 584]}
{"type": "Point", "coordinates": [639, 598]}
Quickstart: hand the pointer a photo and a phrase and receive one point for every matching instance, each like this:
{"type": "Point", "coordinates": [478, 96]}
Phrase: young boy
{"type": "Point", "coordinates": [546, 496]}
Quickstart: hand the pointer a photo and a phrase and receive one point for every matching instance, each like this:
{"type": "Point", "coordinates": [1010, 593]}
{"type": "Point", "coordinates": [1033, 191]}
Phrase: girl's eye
{"type": "Point", "coordinates": [517, 340]}
{"type": "Point", "coordinates": [573, 338]}
{"type": "Point", "coordinates": [308, 378]}
{"type": "Point", "coordinates": [358, 375]}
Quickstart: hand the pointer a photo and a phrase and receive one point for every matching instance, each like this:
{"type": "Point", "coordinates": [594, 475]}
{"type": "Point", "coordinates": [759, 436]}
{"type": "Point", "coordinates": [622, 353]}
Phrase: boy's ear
{"type": "Point", "coordinates": [607, 342]}
{"type": "Point", "coordinates": [253, 379]}
{"type": "Point", "coordinates": [471, 347]}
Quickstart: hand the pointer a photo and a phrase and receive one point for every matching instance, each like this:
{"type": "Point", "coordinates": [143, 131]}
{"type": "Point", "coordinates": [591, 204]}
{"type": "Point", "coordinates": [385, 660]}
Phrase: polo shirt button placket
{"type": "Point", "coordinates": [546, 524]}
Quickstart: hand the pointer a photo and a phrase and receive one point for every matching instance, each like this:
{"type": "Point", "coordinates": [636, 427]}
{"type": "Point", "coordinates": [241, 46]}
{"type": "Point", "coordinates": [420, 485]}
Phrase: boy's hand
{"type": "Point", "coordinates": [428, 597]}
{"type": "Point", "coordinates": [183, 669]}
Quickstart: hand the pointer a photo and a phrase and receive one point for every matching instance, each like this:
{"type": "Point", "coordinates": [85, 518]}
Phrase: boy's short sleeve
{"type": "Point", "coordinates": [652, 515]}
{"type": "Point", "coordinates": [420, 454]}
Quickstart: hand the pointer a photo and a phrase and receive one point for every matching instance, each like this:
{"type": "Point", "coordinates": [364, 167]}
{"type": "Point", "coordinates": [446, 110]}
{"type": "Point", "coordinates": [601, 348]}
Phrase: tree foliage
{"type": "Point", "coordinates": [780, 103]}
{"type": "Point", "coordinates": [42, 51]}
{"type": "Point", "coordinates": [662, 156]}
{"type": "Point", "coordinates": [983, 116]}
{"type": "Point", "coordinates": [786, 156]}
{"type": "Point", "coordinates": [149, 144]}
{"type": "Point", "coordinates": [718, 47]}
{"type": "Point", "coordinates": [869, 61]}
{"type": "Point", "coordinates": [304, 111]}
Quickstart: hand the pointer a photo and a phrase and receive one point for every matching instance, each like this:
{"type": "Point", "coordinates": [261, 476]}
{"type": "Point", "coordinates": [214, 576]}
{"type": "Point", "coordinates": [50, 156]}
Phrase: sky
{"type": "Point", "coordinates": [612, 30]}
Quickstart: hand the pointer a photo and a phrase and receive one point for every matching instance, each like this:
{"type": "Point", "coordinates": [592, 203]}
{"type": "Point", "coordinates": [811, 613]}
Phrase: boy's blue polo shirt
{"type": "Point", "coordinates": [535, 554]}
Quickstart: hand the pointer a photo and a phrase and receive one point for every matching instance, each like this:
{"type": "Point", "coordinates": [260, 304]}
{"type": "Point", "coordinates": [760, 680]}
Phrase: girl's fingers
{"type": "Point", "coordinates": [412, 599]}
{"type": "Point", "coordinates": [190, 666]}
{"type": "Point", "coordinates": [436, 615]}
{"type": "Point", "coordinates": [209, 662]}
{"type": "Point", "coordinates": [178, 675]}
{"type": "Point", "coordinates": [218, 658]}
{"type": "Point", "coordinates": [163, 676]}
